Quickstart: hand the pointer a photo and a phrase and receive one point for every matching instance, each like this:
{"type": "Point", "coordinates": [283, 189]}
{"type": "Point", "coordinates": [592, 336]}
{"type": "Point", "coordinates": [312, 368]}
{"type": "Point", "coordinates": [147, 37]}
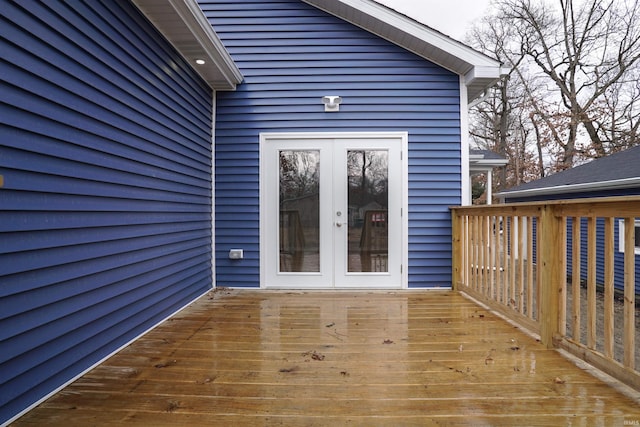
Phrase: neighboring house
{"type": "Point", "coordinates": [130, 174]}
{"type": "Point", "coordinates": [614, 175]}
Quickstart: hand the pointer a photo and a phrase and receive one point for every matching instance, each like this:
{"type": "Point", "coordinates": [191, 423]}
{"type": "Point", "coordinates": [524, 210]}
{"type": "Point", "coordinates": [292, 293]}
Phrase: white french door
{"type": "Point", "coordinates": [331, 210]}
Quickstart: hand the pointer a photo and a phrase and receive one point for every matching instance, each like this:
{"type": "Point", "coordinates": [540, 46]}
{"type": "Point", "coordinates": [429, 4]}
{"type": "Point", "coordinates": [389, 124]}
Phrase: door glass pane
{"type": "Point", "coordinates": [368, 191]}
{"type": "Point", "coordinates": [299, 206]}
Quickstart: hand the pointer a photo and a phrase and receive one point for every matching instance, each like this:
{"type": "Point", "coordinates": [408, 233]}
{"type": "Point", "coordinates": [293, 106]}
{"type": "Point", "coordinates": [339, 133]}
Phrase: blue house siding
{"type": "Point", "coordinates": [105, 212]}
{"type": "Point", "coordinates": [618, 256]}
{"type": "Point", "coordinates": [291, 55]}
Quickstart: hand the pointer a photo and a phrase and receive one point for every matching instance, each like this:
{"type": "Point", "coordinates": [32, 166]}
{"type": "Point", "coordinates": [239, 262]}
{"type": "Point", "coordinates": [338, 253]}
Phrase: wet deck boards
{"type": "Point", "coordinates": [334, 358]}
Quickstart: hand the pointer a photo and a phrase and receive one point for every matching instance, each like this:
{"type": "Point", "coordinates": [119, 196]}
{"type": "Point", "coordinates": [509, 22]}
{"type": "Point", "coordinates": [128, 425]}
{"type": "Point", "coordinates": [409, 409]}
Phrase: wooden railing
{"type": "Point", "coordinates": [515, 259]}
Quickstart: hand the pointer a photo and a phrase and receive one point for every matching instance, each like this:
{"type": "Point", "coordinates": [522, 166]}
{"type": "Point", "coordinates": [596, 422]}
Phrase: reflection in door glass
{"type": "Point", "coordinates": [299, 205]}
{"type": "Point", "coordinates": [368, 190]}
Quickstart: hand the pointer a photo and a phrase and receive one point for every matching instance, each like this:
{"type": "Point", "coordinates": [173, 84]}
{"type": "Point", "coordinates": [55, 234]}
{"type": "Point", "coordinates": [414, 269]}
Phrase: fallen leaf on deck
{"type": "Point", "coordinates": [164, 365]}
{"type": "Point", "coordinates": [314, 355]}
{"type": "Point", "coordinates": [173, 405]}
{"type": "Point", "coordinates": [387, 341]}
{"type": "Point", "coordinates": [489, 358]}
{"type": "Point", "coordinates": [559, 380]}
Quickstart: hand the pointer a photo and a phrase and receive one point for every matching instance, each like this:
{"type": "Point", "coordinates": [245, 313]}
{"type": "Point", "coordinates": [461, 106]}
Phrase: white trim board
{"type": "Point", "coordinates": [403, 137]}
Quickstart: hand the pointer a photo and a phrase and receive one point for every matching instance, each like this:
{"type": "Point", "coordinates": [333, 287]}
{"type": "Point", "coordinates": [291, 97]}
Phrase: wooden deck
{"type": "Point", "coordinates": [329, 358]}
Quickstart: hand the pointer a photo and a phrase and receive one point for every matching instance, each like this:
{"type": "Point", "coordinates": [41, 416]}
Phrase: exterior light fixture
{"type": "Point", "coordinates": [200, 61]}
{"type": "Point", "coordinates": [331, 103]}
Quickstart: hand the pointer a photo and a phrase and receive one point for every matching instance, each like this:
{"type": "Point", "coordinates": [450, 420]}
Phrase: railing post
{"type": "Point", "coordinates": [551, 274]}
{"type": "Point", "coordinates": [456, 249]}
{"type": "Point", "coordinates": [629, 293]}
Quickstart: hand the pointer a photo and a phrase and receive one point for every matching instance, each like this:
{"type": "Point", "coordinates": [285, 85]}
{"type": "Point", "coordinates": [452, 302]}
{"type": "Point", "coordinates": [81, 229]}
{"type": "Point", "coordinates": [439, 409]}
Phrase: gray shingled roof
{"type": "Point", "coordinates": [617, 170]}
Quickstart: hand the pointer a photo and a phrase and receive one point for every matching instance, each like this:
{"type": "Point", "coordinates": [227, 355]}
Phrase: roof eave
{"type": "Point", "coordinates": [485, 164]}
{"type": "Point", "coordinates": [573, 188]}
{"type": "Point", "coordinates": [478, 70]}
{"type": "Point", "coordinates": [479, 78]}
{"type": "Point", "coordinates": [184, 25]}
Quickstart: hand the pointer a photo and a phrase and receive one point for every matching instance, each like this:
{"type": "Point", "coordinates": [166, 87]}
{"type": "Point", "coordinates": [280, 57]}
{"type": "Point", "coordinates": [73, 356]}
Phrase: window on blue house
{"type": "Point", "coordinates": [621, 236]}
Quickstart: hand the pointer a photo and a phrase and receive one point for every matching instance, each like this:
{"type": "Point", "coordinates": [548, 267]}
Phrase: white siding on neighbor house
{"type": "Point", "coordinates": [291, 55]}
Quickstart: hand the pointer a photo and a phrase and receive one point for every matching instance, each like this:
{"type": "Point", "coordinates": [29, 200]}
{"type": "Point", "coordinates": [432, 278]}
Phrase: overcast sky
{"type": "Point", "coordinates": [452, 17]}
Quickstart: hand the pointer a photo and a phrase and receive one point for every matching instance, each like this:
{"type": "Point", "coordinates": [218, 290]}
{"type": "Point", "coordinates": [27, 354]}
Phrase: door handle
{"type": "Point", "coordinates": [339, 224]}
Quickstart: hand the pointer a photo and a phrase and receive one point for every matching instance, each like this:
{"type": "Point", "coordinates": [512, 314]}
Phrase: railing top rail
{"type": "Point", "coordinates": [620, 206]}
{"type": "Point", "coordinates": [498, 210]}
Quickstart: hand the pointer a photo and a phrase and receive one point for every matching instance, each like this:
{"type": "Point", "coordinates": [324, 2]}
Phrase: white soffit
{"type": "Point", "coordinates": [185, 26]}
{"type": "Point", "coordinates": [486, 164]}
{"type": "Point", "coordinates": [479, 71]}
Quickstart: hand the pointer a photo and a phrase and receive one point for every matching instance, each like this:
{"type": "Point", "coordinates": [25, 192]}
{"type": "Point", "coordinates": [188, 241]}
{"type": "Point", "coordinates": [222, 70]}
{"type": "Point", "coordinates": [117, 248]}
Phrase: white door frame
{"type": "Point", "coordinates": [266, 200]}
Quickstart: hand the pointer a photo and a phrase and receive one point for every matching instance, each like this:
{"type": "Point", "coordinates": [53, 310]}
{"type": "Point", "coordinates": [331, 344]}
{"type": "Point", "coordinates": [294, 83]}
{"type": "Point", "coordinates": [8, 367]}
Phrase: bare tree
{"type": "Point", "coordinates": [497, 120]}
{"type": "Point", "coordinates": [619, 118]}
{"type": "Point", "coordinates": [587, 51]}
{"type": "Point", "coordinates": [490, 116]}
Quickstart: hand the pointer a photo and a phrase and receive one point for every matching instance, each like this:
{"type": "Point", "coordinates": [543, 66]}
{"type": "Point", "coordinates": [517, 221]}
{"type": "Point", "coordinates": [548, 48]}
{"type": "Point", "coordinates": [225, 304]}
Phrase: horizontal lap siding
{"type": "Point", "coordinates": [105, 213]}
{"type": "Point", "coordinates": [618, 255]}
{"type": "Point", "coordinates": [291, 55]}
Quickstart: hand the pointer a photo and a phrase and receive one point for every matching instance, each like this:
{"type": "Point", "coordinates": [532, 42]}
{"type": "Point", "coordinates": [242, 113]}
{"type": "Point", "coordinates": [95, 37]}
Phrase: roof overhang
{"type": "Point", "coordinates": [477, 70]}
{"type": "Point", "coordinates": [188, 30]}
{"type": "Point", "coordinates": [478, 163]}
{"type": "Point", "coordinates": [573, 188]}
